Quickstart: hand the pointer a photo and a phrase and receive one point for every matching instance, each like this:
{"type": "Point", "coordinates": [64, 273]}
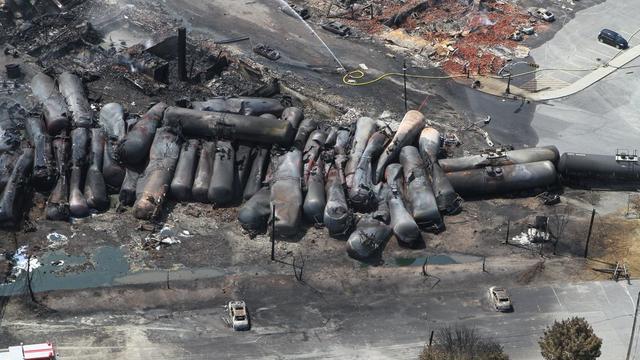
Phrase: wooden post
{"type": "Point", "coordinates": [182, 54]}
{"type": "Point", "coordinates": [506, 240]}
{"type": "Point", "coordinates": [586, 247]}
{"type": "Point", "coordinates": [633, 329]}
{"type": "Point", "coordinates": [404, 75]}
{"type": "Point", "coordinates": [273, 233]}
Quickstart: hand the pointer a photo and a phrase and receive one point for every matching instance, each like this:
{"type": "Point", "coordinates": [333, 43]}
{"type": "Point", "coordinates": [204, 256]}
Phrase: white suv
{"type": "Point", "coordinates": [239, 315]}
{"type": "Point", "coordinates": [500, 299]}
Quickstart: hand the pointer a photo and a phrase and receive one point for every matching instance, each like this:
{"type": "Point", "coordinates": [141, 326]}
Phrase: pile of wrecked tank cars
{"type": "Point", "coordinates": [364, 183]}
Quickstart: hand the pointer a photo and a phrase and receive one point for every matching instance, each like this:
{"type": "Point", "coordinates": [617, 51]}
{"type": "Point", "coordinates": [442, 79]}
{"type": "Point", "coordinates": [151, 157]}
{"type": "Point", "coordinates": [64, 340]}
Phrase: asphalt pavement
{"type": "Point", "coordinates": [602, 118]}
{"type": "Point", "coordinates": [360, 322]}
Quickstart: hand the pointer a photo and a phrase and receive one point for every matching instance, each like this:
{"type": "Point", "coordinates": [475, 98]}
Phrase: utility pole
{"type": "Point", "coordinates": [633, 329]}
{"type": "Point", "coordinates": [424, 267]}
{"type": "Point", "coordinates": [404, 75]}
{"type": "Point", "coordinates": [508, 91]}
{"type": "Point", "coordinates": [506, 240]}
{"type": "Point", "coordinates": [586, 247]}
{"type": "Point", "coordinates": [273, 232]}
{"type": "Point", "coordinates": [29, 279]}
{"type": "Point", "coordinates": [182, 54]}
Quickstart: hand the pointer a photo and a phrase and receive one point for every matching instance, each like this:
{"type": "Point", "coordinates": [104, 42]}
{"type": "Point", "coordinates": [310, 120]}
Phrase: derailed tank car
{"type": "Point", "coordinates": [500, 157]}
{"type": "Point", "coordinates": [599, 170]}
{"type": "Point", "coordinates": [503, 179]}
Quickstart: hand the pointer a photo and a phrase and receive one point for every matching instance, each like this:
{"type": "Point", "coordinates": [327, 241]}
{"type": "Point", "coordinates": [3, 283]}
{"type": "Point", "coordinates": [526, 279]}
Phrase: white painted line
{"type": "Point", "coordinates": [604, 292]}
{"type": "Point", "coordinates": [602, 54]}
{"type": "Point", "coordinates": [572, 74]}
{"type": "Point", "coordinates": [556, 295]}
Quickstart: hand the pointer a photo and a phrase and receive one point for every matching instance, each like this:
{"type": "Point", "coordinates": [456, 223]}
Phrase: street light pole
{"type": "Point", "coordinates": [404, 75]}
{"type": "Point", "coordinates": [633, 329]}
{"type": "Point", "coordinates": [508, 91]}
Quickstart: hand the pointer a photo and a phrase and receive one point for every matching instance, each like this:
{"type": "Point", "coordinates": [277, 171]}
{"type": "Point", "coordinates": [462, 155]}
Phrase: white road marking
{"type": "Point", "coordinates": [556, 295]}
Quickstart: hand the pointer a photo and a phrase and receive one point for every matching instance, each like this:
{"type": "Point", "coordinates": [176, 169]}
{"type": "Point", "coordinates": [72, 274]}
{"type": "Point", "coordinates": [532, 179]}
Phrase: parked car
{"type": "Point", "coordinates": [300, 10]}
{"type": "Point", "coordinates": [516, 36]}
{"type": "Point", "coordinates": [542, 13]}
{"type": "Point", "coordinates": [336, 28]}
{"type": "Point", "coordinates": [612, 38]}
{"type": "Point", "coordinates": [526, 30]}
{"type": "Point", "coordinates": [266, 51]}
{"type": "Point", "coordinates": [239, 315]}
{"type": "Point", "coordinates": [500, 299]}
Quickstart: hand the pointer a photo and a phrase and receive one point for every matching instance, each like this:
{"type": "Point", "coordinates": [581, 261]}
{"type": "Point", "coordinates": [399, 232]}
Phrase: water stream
{"type": "Point", "coordinates": [294, 13]}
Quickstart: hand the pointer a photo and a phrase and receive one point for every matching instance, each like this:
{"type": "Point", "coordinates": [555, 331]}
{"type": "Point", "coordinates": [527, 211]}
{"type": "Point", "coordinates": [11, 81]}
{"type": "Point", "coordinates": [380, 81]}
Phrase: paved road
{"type": "Point", "coordinates": [602, 118]}
{"type": "Point", "coordinates": [291, 321]}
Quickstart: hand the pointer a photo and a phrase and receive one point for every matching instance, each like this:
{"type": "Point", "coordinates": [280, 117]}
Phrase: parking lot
{"type": "Point", "coordinates": [575, 46]}
{"type": "Point", "coordinates": [602, 118]}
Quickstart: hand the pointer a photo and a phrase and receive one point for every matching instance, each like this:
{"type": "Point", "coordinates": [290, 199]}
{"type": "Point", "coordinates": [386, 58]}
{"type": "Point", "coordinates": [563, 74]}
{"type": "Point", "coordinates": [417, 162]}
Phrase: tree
{"type": "Point", "coordinates": [462, 343]}
{"type": "Point", "coordinates": [570, 339]}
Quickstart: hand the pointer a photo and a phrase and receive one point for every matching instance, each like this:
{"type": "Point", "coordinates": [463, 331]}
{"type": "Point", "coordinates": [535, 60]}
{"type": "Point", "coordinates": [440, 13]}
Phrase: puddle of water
{"type": "Point", "coordinates": [105, 264]}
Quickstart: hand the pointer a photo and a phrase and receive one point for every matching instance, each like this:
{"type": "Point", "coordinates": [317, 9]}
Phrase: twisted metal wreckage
{"type": "Point", "coordinates": [286, 167]}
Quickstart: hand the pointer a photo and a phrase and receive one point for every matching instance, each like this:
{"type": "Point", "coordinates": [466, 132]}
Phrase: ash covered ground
{"type": "Point", "coordinates": [108, 283]}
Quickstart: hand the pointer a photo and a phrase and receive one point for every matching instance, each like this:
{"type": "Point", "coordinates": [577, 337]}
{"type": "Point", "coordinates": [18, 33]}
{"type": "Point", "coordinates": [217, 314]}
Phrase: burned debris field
{"type": "Point", "coordinates": [159, 161]}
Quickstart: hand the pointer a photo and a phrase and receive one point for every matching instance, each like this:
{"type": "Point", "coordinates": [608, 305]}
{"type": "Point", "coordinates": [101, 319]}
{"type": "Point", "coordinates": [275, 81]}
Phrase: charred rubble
{"type": "Point", "coordinates": [256, 150]}
{"type": "Point", "coordinates": [363, 182]}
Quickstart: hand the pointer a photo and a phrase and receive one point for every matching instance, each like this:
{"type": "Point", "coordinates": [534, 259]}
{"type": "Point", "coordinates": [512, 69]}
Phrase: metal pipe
{"type": "Point", "coordinates": [229, 126]}
{"type": "Point", "coordinates": [157, 176]}
{"type": "Point", "coordinates": [182, 54]}
{"type": "Point", "coordinates": [503, 180]}
{"type": "Point", "coordinates": [408, 130]}
{"type": "Point", "coordinates": [500, 157]}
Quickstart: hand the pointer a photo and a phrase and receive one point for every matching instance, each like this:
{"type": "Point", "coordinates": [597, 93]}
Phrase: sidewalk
{"type": "Point", "coordinates": [496, 86]}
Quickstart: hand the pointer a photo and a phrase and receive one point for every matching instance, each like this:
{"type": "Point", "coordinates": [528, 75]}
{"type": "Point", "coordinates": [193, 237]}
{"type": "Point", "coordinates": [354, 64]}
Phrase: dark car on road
{"type": "Point", "coordinates": [612, 38]}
